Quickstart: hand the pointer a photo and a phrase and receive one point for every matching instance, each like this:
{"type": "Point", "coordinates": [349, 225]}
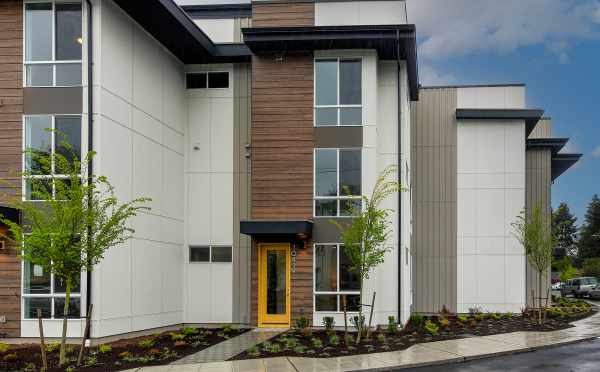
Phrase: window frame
{"type": "Point", "coordinates": [210, 254]}
{"type": "Point", "coordinates": [338, 292]}
{"type": "Point", "coordinates": [52, 175]}
{"type": "Point", "coordinates": [206, 79]}
{"type": "Point", "coordinates": [51, 295]}
{"type": "Point", "coordinates": [338, 197]}
{"type": "Point", "coordinates": [53, 63]}
{"type": "Point", "coordinates": [338, 106]}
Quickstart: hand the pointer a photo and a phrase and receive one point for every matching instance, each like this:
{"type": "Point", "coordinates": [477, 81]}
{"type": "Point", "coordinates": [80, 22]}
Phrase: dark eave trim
{"type": "Point", "coordinates": [562, 162]}
{"type": "Point", "coordinates": [473, 86]}
{"type": "Point", "coordinates": [392, 42]}
{"type": "Point", "coordinates": [531, 116]}
{"type": "Point", "coordinates": [555, 144]}
{"type": "Point", "coordinates": [276, 227]}
{"type": "Point", "coordinates": [219, 11]}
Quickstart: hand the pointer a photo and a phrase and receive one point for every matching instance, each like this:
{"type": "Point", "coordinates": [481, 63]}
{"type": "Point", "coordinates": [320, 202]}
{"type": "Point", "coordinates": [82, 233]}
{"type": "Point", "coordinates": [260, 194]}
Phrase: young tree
{"type": "Point", "coordinates": [534, 233]}
{"type": "Point", "coordinates": [589, 237]}
{"type": "Point", "coordinates": [72, 223]}
{"type": "Point", "coordinates": [564, 230]}
{"type": "Point", "coordinates": [365, 236]}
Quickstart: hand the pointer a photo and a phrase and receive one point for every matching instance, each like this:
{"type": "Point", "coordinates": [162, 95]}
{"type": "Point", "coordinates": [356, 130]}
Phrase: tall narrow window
{"type": "Point", "coordinates": [53, 43]}
{"type": "Point", "coordinates": [338, 175]}
{"type": "Point", "coordinates": [338, 92]}
{"type": "Point", "coordinates": [333, 280]}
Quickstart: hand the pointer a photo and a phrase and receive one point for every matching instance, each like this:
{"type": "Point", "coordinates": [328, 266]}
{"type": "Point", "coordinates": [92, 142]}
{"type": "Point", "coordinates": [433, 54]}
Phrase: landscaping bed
{"type": "Point", "coordinates": [444, 326]}
{"type": "Point", "coordinates": [158, 349]}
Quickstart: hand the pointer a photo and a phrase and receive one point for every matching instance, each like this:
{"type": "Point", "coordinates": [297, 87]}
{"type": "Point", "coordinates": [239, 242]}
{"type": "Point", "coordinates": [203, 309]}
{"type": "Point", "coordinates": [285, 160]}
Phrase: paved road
{"type": "Point", "coordinates": [578, 357]}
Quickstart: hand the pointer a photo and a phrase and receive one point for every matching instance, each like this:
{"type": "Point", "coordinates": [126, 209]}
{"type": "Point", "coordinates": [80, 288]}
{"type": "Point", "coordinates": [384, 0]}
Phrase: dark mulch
{"type": "Point", "coordinates": [321, 344]}
{"type": "Point", "coordinates": [123, 354]}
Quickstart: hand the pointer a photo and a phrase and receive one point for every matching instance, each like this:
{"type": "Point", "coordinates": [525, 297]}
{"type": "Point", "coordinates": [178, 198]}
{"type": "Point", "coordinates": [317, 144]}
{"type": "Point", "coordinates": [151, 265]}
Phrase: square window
{"type": "Point", "coordinates": [38, 189]}
{"type": "Point", "coordinates": [199, 254]}
{"type": "Point", "coordinates": [74, 308]}
{"type": "Point", "coordinates": [195, 81]}
{"type": "Point", "coordinates": [220, 254]}
{"type": "Point", "coordinates": [60, 286]}
{"type": "Point", "coordinates": [326, 116]}
{"type": "Point", "coordinates": [218, 80]}
{"type": "Point", "coordinates": [352, 303]}
{"type": "Point", "coordinates": [350, 207]}
{"type": "Point", "coordinates": [68, 75]}
{"type": "Point", "coordinates": [326, 207]}
{"type": "Point", "coordinates": [39, 75]}
{"type": "Point", "coordinates": [326, 303]}
{"type": "Point", "coordinates": [32, 304]}
{"type": "Point", "coordinates": [351, 116]}
{"type": "Point", "coordinates": [36, 279]}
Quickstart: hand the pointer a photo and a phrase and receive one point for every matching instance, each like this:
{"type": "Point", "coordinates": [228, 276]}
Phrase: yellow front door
{"type": "Point", "coordinates": [274, 285]}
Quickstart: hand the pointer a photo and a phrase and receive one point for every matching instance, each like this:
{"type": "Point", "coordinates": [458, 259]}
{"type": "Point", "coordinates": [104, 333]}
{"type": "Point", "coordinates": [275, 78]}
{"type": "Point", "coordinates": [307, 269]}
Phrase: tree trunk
{"type": "Point", "coordinates": [539, 297]}
{"type": "Point", "coordinates": [370, 317]}
{"type": "Point", "coordinates": [63, 342]}
{"type": "Point", "coordinates": [345, 319]}
{"type": "Point", "coordinates": [86, 334]}
{"type": "Point", "coordinates": [42, 343]}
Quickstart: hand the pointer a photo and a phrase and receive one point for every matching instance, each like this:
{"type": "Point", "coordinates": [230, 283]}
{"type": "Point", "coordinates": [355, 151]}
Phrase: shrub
{"type": "Point", "coordinates": [431, 328]}
{"type": "Point", "coordinates": [509, 315]}
{"type": "Point", "coordinates": [381, 338]}
{"type": "Point", "coordinates": [417, 320]}
{"type": "Point", "coordinates": [392, 326]}
{"type": "Point", "coordinates": [179, 343]}
{"type": "Point", "coordinates": [52, 347]}
{"type": "Point", "coordinates": [358, 322]}
{"type": "Point", "coordinates": [328, 323]}
{"type": "Point", "coordinates": [496, 316]}
{"type": "Point", "coordinates": [591, 267]}
{"type": "Point", "coordinates": [300, 349]}
{"type": "Point", "coordinates": [10, 357]}
{"type": "Point", "coordinates": [226, 328]}
{"type": "Point", "coordinates": [271, 347]}
{"type": "Point", "coordinates": [253, 351]}
{"type": "Point", "coordinates": [316, 343]}
{"type": "Point", "coordinates": [4, 347]}
{"type": "Point", "coordinates": [302, 322]}
{"type": "Point", "coordinates": [444, 322]}
{"type": "Point", "coordinates": [91, 360]}
{"type": "Point", "coordinates": [177, 336]}
{"type": "Point", "coordinates": [146, 344]}
{"type": "Point", "coordinates": [189, 331]}
{"type": "Point", "coordinates": [479, 317]}
{"type": "Point", "coordinates": [334, 340]}
{"type": "Point", "coordinates": [154, 351]}
{"type": "Point", "coordinates": [463, 318]}
{"type": "Point", "coordinates": [125, 355]}
{"type": "Point", "coordinates": [290, 343]}
{"type": "Point", "coordinates": [104, 348]}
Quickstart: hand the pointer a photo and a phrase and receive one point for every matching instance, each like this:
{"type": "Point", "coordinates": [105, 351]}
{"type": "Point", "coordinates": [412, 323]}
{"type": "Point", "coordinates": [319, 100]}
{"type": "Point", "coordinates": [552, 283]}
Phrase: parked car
{"type": "Point", "coordinates": [557, 285]}
{"type": "Point", "coordinates": [578, 287]}
{"type": "Point", "coordinates": [595, 293]}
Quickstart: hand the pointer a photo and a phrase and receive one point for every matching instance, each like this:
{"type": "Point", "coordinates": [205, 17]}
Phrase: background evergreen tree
{"type": "Point", "coordinates": [589, 237]}
{"type": "Point", "coordinates": [564, 231]}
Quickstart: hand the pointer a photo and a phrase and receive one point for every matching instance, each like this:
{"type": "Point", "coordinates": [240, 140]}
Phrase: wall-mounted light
{"type": "Point", "coordinates": [79, 40]}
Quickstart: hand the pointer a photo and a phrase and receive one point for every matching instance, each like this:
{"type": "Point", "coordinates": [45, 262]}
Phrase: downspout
{"type": "Point", "coordinates": [400, 270]}
{"type": "Point", "coordinates": [90, 128]}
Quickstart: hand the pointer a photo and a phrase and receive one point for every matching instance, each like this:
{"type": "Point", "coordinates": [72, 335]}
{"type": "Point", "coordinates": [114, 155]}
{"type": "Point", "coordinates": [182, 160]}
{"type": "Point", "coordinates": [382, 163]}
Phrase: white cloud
{"type": "Point", "coordinates": [449, 28]}
{"type": "Point", "coordinates": [428, 75]}
{"type": "Point", "coordinates": [596, 152]}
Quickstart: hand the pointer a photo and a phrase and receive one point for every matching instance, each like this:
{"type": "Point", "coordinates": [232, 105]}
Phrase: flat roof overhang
{"type": "Point", "coordinates": [271, 230]}
{"type": "Point", "coordinates": [172, 27]}
{"type": "Point", "coordinates": [562, 162]}
{"type": "Point", "coordinates": [554, 144]}
{"type": "Point", "coordinates": [530, 116]}
{"type": "Point", "coordinates": [392, 42]}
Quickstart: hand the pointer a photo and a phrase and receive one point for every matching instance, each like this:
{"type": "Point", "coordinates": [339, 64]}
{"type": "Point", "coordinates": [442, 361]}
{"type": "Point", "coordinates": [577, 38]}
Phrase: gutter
{"type": "Point", "coordinates": [399, 170]}
{"type": "Point", "coordinates": [90, 73]}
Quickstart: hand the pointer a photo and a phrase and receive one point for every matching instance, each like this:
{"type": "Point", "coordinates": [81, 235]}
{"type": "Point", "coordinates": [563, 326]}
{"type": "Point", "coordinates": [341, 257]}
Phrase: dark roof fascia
{"type": "Point", "coordinates": [218, 11]}
{"type": "Point", "coordinates": [555, 144]}
{"type": "Point", "coordinates": [473, 86]}
{"type": "Point", "coordinates": [276, 227]}
{"type": "Point", "coordinates": [562, 162]}
{"type": "Point", "coordinates": [392, 42]}
{"type": "Point", "coordinates": [530, 116]}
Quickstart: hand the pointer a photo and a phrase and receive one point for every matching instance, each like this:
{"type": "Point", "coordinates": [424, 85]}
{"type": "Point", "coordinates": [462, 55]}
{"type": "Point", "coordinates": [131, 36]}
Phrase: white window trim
{"type": "Point", "coordinates": [207, 73]}
{"type": "Point", "coordinates": [52, 149]}
{"type": "Point", "coordinates": [338, 106]}
{"type": "Point", "coordinates": [338, 292]}
{"type": "Point", "coordinates": [52, 62]}
{"type": "Point", "coordinates": [210, 247]}
{"type": "Point", "coordinates": [338, 198]}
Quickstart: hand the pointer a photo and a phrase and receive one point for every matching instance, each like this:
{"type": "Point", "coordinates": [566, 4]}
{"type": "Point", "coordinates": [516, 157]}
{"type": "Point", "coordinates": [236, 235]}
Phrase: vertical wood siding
{"type": "Point", "coordinates": [11, 114]}
{"type": "Point", "coordinates": [283, 14]}
{"type": "Point", "coordinates": [433, 146]}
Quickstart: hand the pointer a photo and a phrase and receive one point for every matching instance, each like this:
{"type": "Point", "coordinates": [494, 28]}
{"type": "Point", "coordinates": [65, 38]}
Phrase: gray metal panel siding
{"type": "Point", "coordinates": [433, 146]}
{"type": "Point", "coordinates": [538, 191]}
{"type": "Point", "coordinates": [241, 194]}
{"type": "Point", "coordinates": [238, 24]}
{"type": "Point", "coordinates": [543, 129]}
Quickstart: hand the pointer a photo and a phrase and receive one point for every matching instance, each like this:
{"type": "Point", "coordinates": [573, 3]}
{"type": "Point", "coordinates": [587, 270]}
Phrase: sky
{"type": "Point", "coordinates": [553, 46]}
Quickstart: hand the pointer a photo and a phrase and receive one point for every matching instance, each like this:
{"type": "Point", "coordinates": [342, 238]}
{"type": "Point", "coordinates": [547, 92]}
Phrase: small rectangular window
{"type": "Point", "coordinates": [220, 254]}
{"type": "Point", "coordinates": [195, 81]}
{"type": "Point", "coordinates": [218, 80]}
{"type": "Point", "coordinates": [199, 254]}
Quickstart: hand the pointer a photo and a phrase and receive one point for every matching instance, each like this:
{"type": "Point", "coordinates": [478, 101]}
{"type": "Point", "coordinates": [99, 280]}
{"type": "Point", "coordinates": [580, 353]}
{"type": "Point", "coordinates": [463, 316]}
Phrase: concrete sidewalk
{"type": "Point", "coordinates": [432, 353]}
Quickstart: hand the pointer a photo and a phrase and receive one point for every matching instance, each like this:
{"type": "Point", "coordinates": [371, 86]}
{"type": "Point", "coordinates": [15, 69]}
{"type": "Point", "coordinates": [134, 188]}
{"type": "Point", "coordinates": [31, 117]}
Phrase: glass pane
{"type": "Point", "coordinates": [36, 279]}
{"type": "Point", "coordinates": [326, 82]}
{"type": "Point", "coordinates": [38, 189]}
{"type": "Point", "coordinates": [195, 81]}
{"type": "Point", "coordinates": [350, 82]}
{"type": "Point", "coordinates": [325, 268]}
{"type": "Point", "coordinates": [326, 303]}
{"type": "Point", "coordinates": [32, 304]}
{"type": "Point", "coordinates": [325, 207]}
{"type": "Point", "coordinates": [326, 172]}
{"type": "Point", "coordinates": [60, 286]}
{"type": "Point", "coordinates": [326, 116]}
{"type": "Point", "coordinates": [74, 308]}
{"type": "Point", "coordinates": [349, 280]}
{"type": "Point", "coordinates": [218, 80]}
{"type": "Point", "coordinates": [221, 254]}
{"type": "Point", "coordinates": [67, 140]}
{"type": "Point", "coordinates": [199, 254]}
{"type": "Point", "coordinates": [350, 116]}
{"type": "Point", "coordinates": [68, 75]}
{"type": "Point", "coordinates": [38, 32]}
{"type": "Point", "coordinates": [39, 75]}
{"type": "Point", "coordinates": [68, 32]}
{"type": "Point", "coordinates": [350, 207]}
{"type": "Point", "coordinates": [63, 189]}
{"type": "Point", "coordinates": [352, 302]}
{"type": "Point", "coordinates": [39, 140]}
{"type": "Point", "coordinates": [350, 174]}
{"type": "Point", "coordinates": [276, 283]}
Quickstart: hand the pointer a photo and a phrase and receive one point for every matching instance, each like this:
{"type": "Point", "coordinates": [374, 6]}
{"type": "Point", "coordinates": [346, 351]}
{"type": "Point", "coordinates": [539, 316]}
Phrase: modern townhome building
{"type": "Point", "coordinates": [252, 126]}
